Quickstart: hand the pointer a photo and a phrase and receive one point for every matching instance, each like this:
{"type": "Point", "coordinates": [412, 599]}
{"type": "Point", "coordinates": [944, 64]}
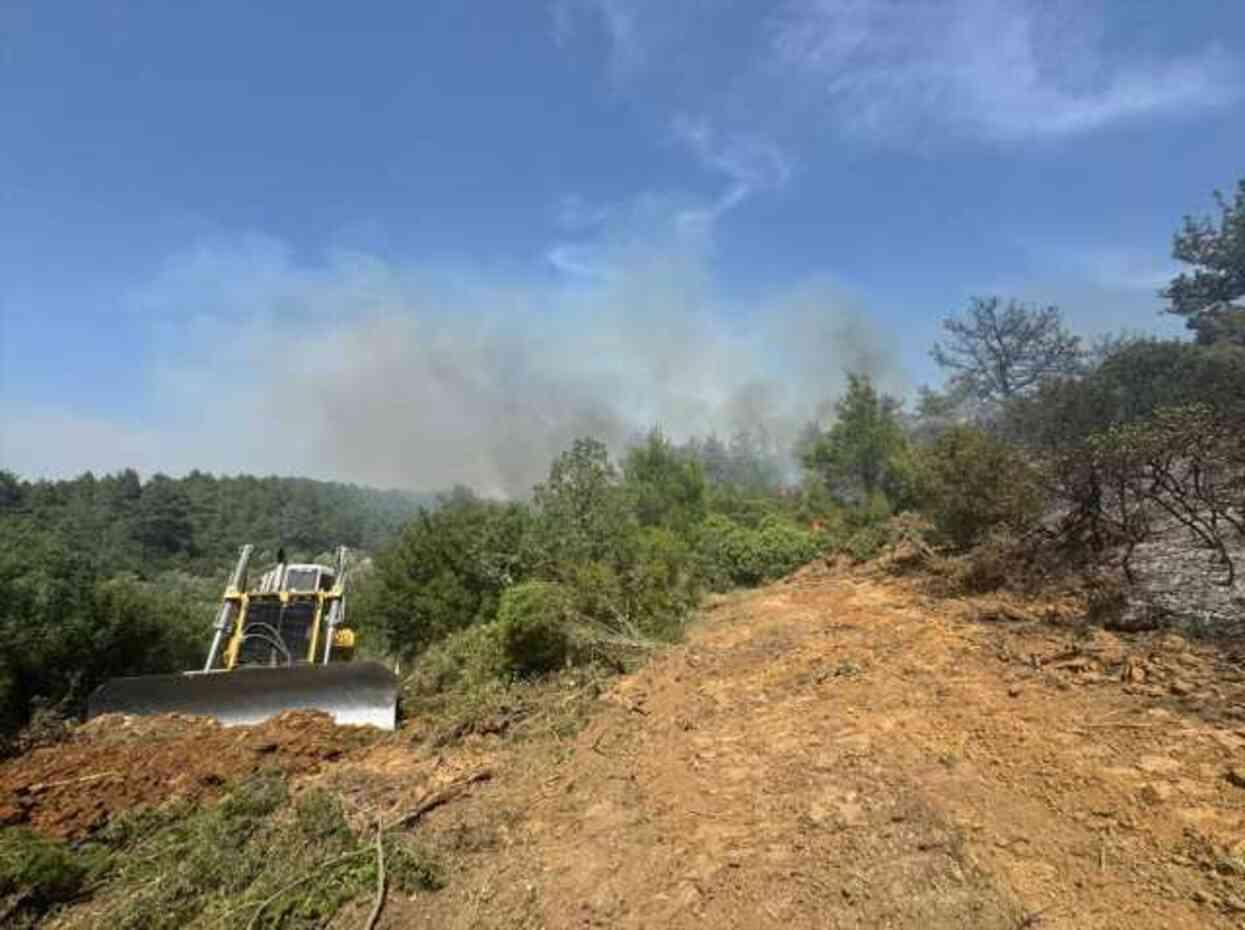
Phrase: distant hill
{"type": "Point", "coordinates": [121, 523]}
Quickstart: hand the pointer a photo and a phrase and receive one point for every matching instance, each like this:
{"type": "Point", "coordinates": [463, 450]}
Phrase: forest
{"type": "Point", "coordinates": [1039, 459]}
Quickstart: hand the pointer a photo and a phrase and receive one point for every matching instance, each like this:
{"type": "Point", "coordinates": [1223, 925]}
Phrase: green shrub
{"type": "Point", "coordinates": [529, 637]}
{"type": "Point", "coordinates": [532, 628]}
{"type": "Point", "coordinates": [446, 572]}
{"type": "Point", "coordinates": [646, 593]}
{"type": "Point", "coordinates": [873, 511]}
{"type": "Point", "coordinates": [867, 542]}
{"type": "Point", "coordinates": [782, 547]}
{"type": "Point", "coordinates": [974, 484]}
{"type": "Point", "coordinates": [660, 583]}
{"type": "Point", "coordinates": [464, 660]}
{"type": "Point", "coordinates": [731, 554]}
{"type": "Point", "coordinates": [44, 871]}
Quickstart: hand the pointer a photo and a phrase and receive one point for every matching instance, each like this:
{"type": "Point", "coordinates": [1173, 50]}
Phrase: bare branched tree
{"type": "Point", "coordinates": [998, 351]}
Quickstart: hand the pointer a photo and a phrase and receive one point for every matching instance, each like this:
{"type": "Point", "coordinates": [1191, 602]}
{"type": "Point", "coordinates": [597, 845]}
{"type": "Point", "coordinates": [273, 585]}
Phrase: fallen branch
{"type": "Point", "coordinates": [437, 798]}
{"type": "Point", "coordinates": [380, 879]}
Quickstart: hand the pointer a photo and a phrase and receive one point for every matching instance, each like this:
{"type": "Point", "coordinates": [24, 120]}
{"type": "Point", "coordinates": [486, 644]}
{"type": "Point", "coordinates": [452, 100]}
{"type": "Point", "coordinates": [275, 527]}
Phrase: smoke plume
{"type": "Point", "coordinates": [422, 377]}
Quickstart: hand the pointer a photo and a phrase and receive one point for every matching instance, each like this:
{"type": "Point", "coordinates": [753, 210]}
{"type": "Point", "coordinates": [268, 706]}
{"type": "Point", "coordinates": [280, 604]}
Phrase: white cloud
{"type": "Point", "coordinates": [1001, 69]}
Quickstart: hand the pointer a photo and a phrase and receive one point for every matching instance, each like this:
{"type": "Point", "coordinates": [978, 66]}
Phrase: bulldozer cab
{"type": "Point", "coordinates": [299, 578]}
{"type": "Point", "coordinates": [292, 616]}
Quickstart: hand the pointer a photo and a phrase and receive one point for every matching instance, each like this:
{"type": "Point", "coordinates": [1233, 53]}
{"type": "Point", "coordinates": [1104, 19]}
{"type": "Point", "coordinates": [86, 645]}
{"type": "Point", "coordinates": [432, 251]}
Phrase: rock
{"type": "Point", "coordinates": [1013, 691]}
{"type": "Point", "coordinates": [1236, 775]}
{"type": "Point", "coordinates": [1134, 670]}
{"type": "Point", "coordinates": [1159, 765]}
{"type": "Point", "coordinates": [1171, 642]}
{"type": "Point", "coordinates": [1180, 687]}
{"type": "Point", "coordinates": [1106, 647]}
{"type": "Point", "coordinates": [1233, 903]}
{"type": "Point", "coordinates": [1156, 793]}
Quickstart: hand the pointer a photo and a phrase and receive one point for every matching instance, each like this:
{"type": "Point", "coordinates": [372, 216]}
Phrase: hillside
{"type": "Point", "coordinates": [834, 750]}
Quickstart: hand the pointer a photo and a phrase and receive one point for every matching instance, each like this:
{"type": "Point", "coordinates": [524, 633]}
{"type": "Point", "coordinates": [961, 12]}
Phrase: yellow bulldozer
{"type": "Point", "coordinates": [280, 644]}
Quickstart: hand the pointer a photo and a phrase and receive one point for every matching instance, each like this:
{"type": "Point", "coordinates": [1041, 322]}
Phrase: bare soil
{"type": "Point", "coordinates": [115, 763]}
{"type": "Point", "coordinates": [834, 751]}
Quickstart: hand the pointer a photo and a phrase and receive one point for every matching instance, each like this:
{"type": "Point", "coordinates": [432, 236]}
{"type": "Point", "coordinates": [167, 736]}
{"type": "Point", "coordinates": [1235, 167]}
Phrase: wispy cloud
{"type": "Point", "coordinates": [1002, 69]}
{"type": "Point", "coordinates": [750, 162]}
{"type": "Point", "coordinates": [576, 260]}
{"type": "Point", "coordinates": [617, 19]}
{"type": "Point", "coordinates": [1132, 273]}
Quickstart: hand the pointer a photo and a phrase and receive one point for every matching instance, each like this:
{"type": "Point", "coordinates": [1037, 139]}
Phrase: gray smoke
{"type": "Point", "coordinates": [370, 371]}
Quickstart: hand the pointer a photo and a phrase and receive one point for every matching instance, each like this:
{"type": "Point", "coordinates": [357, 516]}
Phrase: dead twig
{"type": "Point", "coordinates": [44, 786]}
{"type": "Point", "coordinates": [1122, 725]}
{"type": "Point", "coordinates": [1064, 656]}
{"type": "Point", "coordinates": [381, 886]}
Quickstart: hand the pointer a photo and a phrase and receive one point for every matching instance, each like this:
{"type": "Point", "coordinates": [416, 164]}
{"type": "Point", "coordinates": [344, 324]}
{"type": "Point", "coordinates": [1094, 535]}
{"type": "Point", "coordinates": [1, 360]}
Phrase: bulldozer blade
{"type": "Point", "coordinates": [351, 692]}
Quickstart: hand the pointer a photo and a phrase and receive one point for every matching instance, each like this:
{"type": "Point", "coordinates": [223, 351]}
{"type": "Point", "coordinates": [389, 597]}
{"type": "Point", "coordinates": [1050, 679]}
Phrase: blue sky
{"type": "Point", "coordinates": [475, 230]}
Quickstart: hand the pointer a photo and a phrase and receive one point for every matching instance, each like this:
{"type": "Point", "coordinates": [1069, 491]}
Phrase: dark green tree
{"type": "Point", "coordinates": [663, 488]}
{"type": "Point", "coordinates": [1208, 297]}
{"type": "Point", "coordinates": [446, 571]}
{"type": "Point", "coordinates": [163, 526]}
{"type": "Point", "coordinates": [582, 508]}
{"type": "Point", "coordinates": [865, 451]}
{"type": "Point", "coordinates": [1135, 379]}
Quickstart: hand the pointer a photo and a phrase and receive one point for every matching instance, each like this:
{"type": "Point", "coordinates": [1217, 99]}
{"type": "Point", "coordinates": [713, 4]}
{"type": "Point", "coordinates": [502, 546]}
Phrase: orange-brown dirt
{"type": "Point", "coordinates": [115, 763]}
{"type": "Point", "coordinates": [836, 751]}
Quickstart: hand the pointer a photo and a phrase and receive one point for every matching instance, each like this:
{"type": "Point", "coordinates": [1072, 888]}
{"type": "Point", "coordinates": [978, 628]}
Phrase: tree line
{"type": "Point", "coordinates": [120, 523]}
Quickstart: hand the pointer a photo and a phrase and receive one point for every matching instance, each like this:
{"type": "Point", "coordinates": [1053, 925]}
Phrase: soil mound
{"type": "Point", "coordinates": [117, 762]}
